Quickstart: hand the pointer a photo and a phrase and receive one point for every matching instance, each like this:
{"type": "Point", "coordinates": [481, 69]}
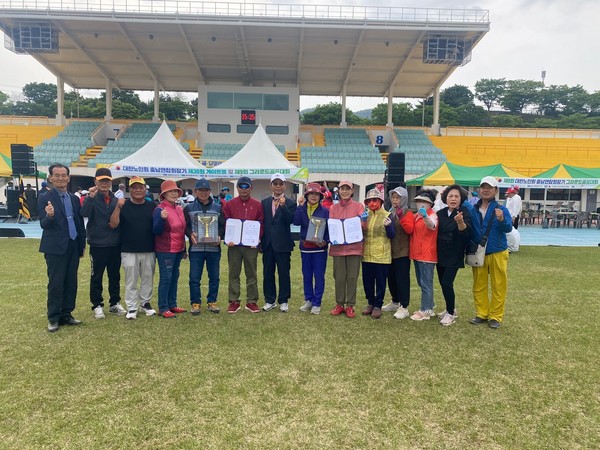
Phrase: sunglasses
{"type": "Point", "coordinates": [244, 186]}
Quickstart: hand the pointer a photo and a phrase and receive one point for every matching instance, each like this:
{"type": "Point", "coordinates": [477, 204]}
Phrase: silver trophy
{"type": "Point", "coordinates": [316, 230]}
{"type": "Point", "coordinates": [205, 226]}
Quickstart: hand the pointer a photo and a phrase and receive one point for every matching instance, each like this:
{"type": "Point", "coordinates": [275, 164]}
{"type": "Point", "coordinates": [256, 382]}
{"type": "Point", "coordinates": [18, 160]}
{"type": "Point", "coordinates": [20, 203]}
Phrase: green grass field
{"type": "Point", "coordinates": [295, 381]}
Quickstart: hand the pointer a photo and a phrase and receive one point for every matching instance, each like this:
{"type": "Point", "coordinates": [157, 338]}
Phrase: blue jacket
{"type": "Point", "coordinates": [301, 219]}
{"type": "Point", "coordinates": [210, 206]}
{"type": "Point", "coordinates": [497, 238]}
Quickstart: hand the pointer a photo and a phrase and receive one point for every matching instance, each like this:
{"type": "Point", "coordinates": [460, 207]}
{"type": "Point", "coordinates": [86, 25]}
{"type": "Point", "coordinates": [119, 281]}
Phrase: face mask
{"type": "Point", "coordinates": [374, 206]}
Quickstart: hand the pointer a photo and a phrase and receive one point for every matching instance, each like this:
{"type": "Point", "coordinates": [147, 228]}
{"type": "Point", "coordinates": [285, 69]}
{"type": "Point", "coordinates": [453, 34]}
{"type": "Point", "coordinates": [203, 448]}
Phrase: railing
{"type": "Point", "coordinates": [247, 9]}
{"type": "Point", "coordinates": [520, 132]}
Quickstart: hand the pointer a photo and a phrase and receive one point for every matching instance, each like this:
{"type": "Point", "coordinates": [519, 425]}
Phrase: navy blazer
{"type": "Point", "coordinates": [55, 234]}
{"type": "Point", "coordinates": [277, 232]}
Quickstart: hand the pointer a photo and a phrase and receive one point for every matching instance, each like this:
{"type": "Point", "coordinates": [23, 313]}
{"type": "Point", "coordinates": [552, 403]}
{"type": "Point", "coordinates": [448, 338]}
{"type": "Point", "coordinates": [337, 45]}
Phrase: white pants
{"type": "Point", "coordinates": [138, 266]}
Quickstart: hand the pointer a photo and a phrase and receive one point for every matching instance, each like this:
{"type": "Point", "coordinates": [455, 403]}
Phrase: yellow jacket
{"type": "Point", "coordinates": [377, 238]}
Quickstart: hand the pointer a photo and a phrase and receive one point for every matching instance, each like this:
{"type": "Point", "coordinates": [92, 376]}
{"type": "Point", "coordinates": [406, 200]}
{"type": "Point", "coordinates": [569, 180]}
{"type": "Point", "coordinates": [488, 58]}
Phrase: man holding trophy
{"type": "Point", "coordinates": [205, 228]}
{"type": "Point", "coordinates": [312, 217]}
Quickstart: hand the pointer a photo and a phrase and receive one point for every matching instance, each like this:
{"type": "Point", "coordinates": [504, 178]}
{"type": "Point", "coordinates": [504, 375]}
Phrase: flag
{"type": "Point", "coordinates": [23, 208]}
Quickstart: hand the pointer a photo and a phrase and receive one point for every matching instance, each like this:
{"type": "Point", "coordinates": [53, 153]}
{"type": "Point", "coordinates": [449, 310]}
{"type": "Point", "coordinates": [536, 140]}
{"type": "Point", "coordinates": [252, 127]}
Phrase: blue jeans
{"type": "Point", "coordinates": [197, 260]}
{"type": "Point", "coordinates": [168, 269]}
{"type": "Point", "coordinates": [314, 265]}
{"type": "Point", "coordinates": [424, 273]}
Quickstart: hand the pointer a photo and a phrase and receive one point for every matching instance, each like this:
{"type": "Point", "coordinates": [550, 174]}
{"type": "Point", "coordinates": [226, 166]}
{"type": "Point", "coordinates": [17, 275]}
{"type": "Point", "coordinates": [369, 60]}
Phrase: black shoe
{"type": "Point", "coordinates": [52, 327]}
{"type": "Point", "coordinates": [477, 321]}
{"type": "Point", "coordinates": [494, 324]}
{"type": "Point", "coordinates": [70, 321]}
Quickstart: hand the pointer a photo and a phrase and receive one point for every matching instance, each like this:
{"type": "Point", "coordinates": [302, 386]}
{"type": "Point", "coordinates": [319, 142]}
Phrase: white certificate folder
{"type": "Point", "coordinates": [242, 232]}
{"type": "Point", "coordinates": [345, 231]}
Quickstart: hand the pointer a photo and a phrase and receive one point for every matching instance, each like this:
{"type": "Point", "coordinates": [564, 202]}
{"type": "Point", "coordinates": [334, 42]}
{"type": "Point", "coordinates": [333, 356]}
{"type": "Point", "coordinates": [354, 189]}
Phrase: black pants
{"type": "Point", "coordinates": [62, 282]}
{"type": "Point", "coordinates": [516, 222]}
{"type": "Point", "coordinates": [446, 276]}
{"type": "Point", "coordinates": [281, 261]}
{"type": "Point", "coordinates": [399, 281]}
{"type": "Point", "coordinates": [374, 277]}
{"type": "Point", "coordinates": [108, 258]}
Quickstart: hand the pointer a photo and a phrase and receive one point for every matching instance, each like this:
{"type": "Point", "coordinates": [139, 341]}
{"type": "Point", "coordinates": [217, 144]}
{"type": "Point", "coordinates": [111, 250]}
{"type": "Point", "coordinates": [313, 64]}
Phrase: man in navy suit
{"type": "Point", "coordinates": [277, 244]}
{"type": "Point", "coordinates": [63, 243]}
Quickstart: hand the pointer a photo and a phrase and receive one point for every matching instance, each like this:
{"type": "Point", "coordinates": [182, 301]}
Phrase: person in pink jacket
{"type": "Point", "coordinates": [168, 225]}
{"type": "Point", "coordinates": [347, 258]}
{"type": "Point", "coordinates": [423, 250]}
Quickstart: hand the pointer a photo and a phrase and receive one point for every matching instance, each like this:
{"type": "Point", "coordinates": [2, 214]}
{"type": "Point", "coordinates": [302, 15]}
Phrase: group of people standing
{"type": "Point", "coordinates": [135, 233]}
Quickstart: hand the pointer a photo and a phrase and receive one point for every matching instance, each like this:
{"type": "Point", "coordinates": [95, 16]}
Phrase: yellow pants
{"type": "Point", "coordinates": [495, 268]}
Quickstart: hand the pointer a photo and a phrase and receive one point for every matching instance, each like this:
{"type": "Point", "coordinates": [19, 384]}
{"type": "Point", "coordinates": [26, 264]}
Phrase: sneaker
{"type": "Point", "coordinates": [391, 307]}
{"type": "Point", "coordinates": [422, 315]}
{"type": "Point", "coordinates": [306, 307]}
{"type": "Point", "coordinates": [337, 310]}
{"type": "Point", "coordinates": [350, 312]}
{"type": "Point", "coordinates": [167, 314]}
{"type": "Point", "coordinates": [195, 309]}
{"type": "Point", "coordinates": [402, 313]}
{"type": "Point", "coordinates": [177, 310]}
{"type": "Point", "coordinates": [233, 307]}
{"type": "Point", "coordinates": [494, 324]}
{"type": "Point", "coordinates": [252, 307]}
{"type": "Point", "coordinates": [283, 307]}
{"type": "Point", "coordinates": [448, 320]}
{"type": "Point", "coordinates": [213, 308]}
{"type": "Point", "coordinates": [376, 313]}
{"type": "Point", "coordinates": [52, 327]}
{"type": "Point", "coordinates": [477, 320]}
{"type": "Point", "coordinates": [131, 314]}
{"type": "Point", "coordinates": [315, 310]}
{"type": "Point", "coordinates": [444, 312]}
{"type": "Point", "coordinates": [368, 310]}
{"type": "Point", "coordinates": [267, 307]}
{"type": "Point", "coordinates": [117, 309]}
{"type": "Point", "coordinates": [147, 309]}
{"type": "Point", "coordinates": [99, 312]}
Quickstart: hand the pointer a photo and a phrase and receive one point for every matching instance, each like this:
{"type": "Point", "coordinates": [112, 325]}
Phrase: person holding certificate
{"type": "Point", "coordinates": [312, 217]}
{"type": "Point", "coordinates": [377, 253]}
{"type": "Point", "coordinates": [346, 257]}
{"type": "Point", "coordinates": [169, 245]}
{"type": "Point", "coordinates": [423, 250]}
{"type": "Point", "coordinates": [239, 211]}
{"type": "Point", "coordinates": [277, 244]}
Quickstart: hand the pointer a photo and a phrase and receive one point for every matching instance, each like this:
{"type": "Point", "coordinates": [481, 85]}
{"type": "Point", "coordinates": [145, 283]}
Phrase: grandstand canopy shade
{"type": "Point", "coordinates": [449, 173]}
{"type": "Point", "coordinates": [161, 157]}
{"type": "Point", "coordinates": [258, 159]}
{"type": "Point", "coordinates": [177, 46]}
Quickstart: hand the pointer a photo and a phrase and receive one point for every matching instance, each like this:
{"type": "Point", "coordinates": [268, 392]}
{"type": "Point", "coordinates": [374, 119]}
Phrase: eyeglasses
{"type": "Point", "coordinates": [244, 186]}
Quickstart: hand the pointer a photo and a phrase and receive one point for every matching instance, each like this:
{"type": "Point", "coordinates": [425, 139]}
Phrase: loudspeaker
{"type": "Point", "coordinates": [395, 168]}
{"type": "Point", "coordinates": [295, 189]}
{"type": "Point", "coordinates": [12, 202]}
{"type": "Point", "coordinates": [11, 232]}
{"type": "Point", "coordinates": [22, 159]}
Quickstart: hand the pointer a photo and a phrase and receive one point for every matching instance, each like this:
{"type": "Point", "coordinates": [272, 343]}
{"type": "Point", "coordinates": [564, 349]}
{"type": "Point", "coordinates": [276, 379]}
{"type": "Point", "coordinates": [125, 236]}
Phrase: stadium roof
{"type": "Point", "coordinates": [178, 45]}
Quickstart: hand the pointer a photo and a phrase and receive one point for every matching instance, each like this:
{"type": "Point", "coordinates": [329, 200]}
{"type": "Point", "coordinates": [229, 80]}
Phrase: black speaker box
{"type": "Point", "coordinates": [22, 159]}
{"type": "Point", "coordinates": [11, 232]}
{"type": "Point", "coordinates": [395, 168]}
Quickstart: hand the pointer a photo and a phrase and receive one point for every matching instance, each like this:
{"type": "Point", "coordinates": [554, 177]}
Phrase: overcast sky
{"type": "Point", "coordinates": [526, 37]}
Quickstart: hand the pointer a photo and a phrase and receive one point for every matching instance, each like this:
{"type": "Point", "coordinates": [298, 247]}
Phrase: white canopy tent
{"type": "Point", "coordinates": [161, 157]}
{"type": "Point", "coordinates": [258, 159]}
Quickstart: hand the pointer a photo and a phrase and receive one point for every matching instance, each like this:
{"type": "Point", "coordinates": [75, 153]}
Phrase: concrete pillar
{"type": "Point", "coordinates": [435, 127]}
{"type": "Point", "coordinates": [390, 108]}
{"type": "Point", "coordinates": [108, 116]}
{"type": "Point", "coordinates": [60, 102]}
{"type": "Point", "coordinates": [343, 124]}
{"type": "Point", "coordinates": [156, 117]}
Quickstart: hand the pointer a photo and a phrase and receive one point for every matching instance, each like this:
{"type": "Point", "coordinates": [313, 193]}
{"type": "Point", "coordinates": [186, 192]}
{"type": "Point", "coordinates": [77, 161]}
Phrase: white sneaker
{"type": "Point", "coordinates": [147, 309]}
{"type": "Point", "coordinates": [131, 315]}
{"type": "Point", "coordinates": [402, 313]}
{"type": "Point", "coordinates": [117, 309]}
{"type": "Point", "coordinates": [315, 310]}
{"type": "Point", "coordinates": [423, 315]}
{"type": "Point", "coordinates": [391, 307]}
{"type": "Point", "coordinates": [99, 312]}
{"type": "Point", "coordinates": [283, 307]}
{"type": "Point", "coordinates": [306, 307]}
{"type": "Point", "coordinates": [268, 306]}
{"type": "Point", "coordinates": [448, 320]}
{"type": "Point", "coordinates": [444, 312]}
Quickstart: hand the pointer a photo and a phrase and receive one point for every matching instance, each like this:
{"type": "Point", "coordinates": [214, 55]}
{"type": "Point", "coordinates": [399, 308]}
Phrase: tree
{"type": "Point", "coordinates": [41, 93]}
{"type": "Point", "coordinates": [5, 104]}
{"type": "Point", "coordinates": [402, 114]}
{"type": "Point", "coordinates": [122, 110]}
{"type": "Point", "coordinates": [489, 91]}
{"type": "Point", "coordinates": [330, 114]}
{"type": "Point", "coordinates": [507, 121]}
{"type": "Point", "coordinates": [552, 98]}
{"type": "Point", "coordinates": [471, 115]}
{"type": "Point", "coordinates": [519, 94]}
{"type": "Point", "coordinates": [457, 95]}
{"type": "Point", "coordinates": [577, 100]}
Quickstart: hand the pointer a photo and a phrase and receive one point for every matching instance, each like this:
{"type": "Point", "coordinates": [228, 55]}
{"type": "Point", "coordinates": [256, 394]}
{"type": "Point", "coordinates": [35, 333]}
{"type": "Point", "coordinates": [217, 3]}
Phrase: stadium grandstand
{"type": "Point", "coordinates": [249, 63]}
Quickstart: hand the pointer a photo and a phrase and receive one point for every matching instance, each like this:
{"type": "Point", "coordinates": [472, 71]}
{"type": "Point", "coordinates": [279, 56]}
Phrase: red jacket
{"type": "Point", "coordinates": [251, 209]}
{"type": "Point", "coordinates": [423, 241]}
{"type": "Point", "coordinates": [342, 210]}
